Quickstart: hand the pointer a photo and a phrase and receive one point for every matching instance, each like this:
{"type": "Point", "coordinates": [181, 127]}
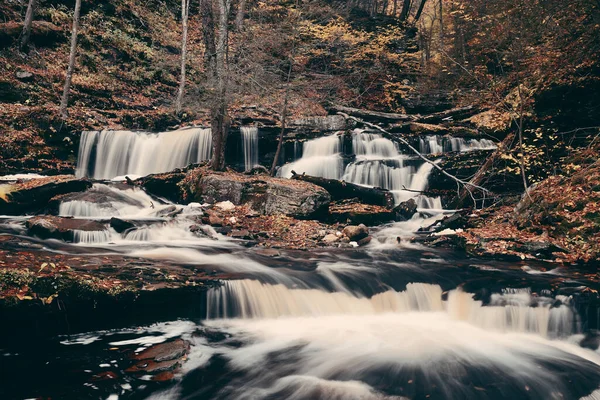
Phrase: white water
{"type": "Point", "coordinates": [90, 237]}
{"type": "Point", "coordinates": [250, 143]}
{"type": "Point", "coordinates": [114, 153]}
{"type": "Point", "coordinates": [320, 157]}
{"type": "Point", "coordinates": [436, 144]}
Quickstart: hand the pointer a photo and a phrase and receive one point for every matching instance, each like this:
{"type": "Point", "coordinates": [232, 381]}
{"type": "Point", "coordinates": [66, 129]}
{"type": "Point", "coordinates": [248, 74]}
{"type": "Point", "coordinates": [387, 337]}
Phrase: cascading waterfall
{"type": "Point", "coordinates": [250, 143]}
{"type": "Point", "coordinates": [90, 237]}
{"type": "Point", "coordinates": [108, 154]}
{"type": "Point", "coordinates": [505, 313]}
{"type": "Point", "coordinates": [436, 144]}
{"type": "Point", "coordinates": [320, 157]}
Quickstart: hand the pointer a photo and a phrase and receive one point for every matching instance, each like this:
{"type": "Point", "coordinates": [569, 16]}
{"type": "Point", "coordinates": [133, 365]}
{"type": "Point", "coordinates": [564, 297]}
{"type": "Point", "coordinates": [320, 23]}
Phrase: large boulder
{"type": "Point", "coordinates": [266, 195]}
{"type": "Point", "coordinates": [356, 232]}
{"type": "Point", "coordinates": [51, 227]}
{"type": "Point", "coordinates": [164, 185]}
{"type": "Point", "coordinates": [405, 210]}
{"type": "Point", "coordinates": [33, 195]}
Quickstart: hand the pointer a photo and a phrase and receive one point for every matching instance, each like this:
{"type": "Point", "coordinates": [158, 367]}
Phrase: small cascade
{"type": "Point", "coordinates": [320, 157]}
{"type": "Point", "coordinates": [107, 154]}
{"type": "Point", "coordinates": [436, 144]}
{"type": "Point", "coordinates": [90, 237]}
{"type": "Point", "coordinates": [506, 313]}
{"type": "Point", "coordinates": [105, 201]}
{"type": "Point", "coordinates": [250, 143]}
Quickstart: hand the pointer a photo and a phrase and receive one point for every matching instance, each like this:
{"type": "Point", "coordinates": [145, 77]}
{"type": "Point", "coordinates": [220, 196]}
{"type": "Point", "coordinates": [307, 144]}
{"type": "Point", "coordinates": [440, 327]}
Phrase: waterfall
{"type": "Point", "coordinates": [250, 143]}
{"type": "Point", "coordinates": [89, 237]}
{"type": "Point", "coordinates": [435, 144]}
{"type": "Point", "coordinates": [506, 312]}
{"type": "Point", "coordinates": [320, 157]}
{"type": "Point", "coordinates": [107, 154]}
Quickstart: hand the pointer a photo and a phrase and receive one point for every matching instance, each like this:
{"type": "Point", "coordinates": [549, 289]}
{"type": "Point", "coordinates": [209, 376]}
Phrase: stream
{"type": "Point", "coordinates": [392, 320]}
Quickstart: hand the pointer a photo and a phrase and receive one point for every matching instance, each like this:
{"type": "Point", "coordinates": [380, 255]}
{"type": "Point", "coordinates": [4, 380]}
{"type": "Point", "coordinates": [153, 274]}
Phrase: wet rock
{"type": "Point", "coordinates": [33, 195]}
{"type": "Point", "coordinates": [164, 351]}
{"type": "Point", "coordinates": [405, 210]}
{"type": "Point", "coordinates": [169, 212]}
{"type": "Point", "coordinates": [121, 225]}
{"type": "Point", "coordinates": [454, 221]}
{"type": "Point", "coordinates": [51, 227]}
{"type": "Point", "coordinates": [164, 185]}
{"type": "Point", "coordinates": [223, 230]}
{"type": "Point", "coordinates": [364, 241]}
{"type": "Point", "coordinates": [152, 367]}
{"type": "Point", "coordinates": [539, 249]}
{"type": "Point", "coordinates": [356, 233]}
{"type": "Point", "coordinates": [268, 252]}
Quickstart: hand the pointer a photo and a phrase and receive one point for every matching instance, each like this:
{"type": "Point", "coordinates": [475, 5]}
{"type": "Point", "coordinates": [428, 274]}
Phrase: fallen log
{"type": "Point", "coordinates": [453, 114]}
{"type": "Point", "coordinates": [340, 190]}
{"type": "Point", "coordinates": [373, 115]}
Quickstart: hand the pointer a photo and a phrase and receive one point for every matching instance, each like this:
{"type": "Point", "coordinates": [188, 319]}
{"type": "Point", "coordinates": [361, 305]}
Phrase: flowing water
{"type": "Point", "coordinates": [388, 321]}
{"type": "Point", "coordinates": [250, 143]}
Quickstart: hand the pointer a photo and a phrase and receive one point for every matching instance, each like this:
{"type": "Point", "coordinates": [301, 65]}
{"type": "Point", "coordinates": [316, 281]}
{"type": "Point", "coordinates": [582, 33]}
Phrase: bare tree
{"type": "Point", "coordinates": [208, 35]}
{"type": "Point", "coordinates": [26, 34]}
{"type": "Point", "coordinates": [239, 19]}
{"type": "Point", "coordinates": [185, 10]}
{"type": "Point", "coordinates": [65, 97]}
{"type": "Point", "coordinates": [420, 10]}
{"type": "Point", "coordinates": [405, 10]}
{"type": "Point", "coordinates": [219, 114]}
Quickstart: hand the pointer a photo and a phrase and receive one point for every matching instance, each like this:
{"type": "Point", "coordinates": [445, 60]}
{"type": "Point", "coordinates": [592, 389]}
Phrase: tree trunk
{"type": "Point", "coordinates": [26, 34]}
{"type": "Point", "coordinates": [220, 119]}
{"type": "Point", "coordinates": [239, 19]}
{"type": "Point", "coordinates": [185, 10]}
{"type": "Point", "coordinates": [405, 10]}
{"type": "Point", "coordinates": [65, 97]}
{"type": "Point", "coordinates": [208, 35]}
{"type": "Point", "coordinates": [420, 10]}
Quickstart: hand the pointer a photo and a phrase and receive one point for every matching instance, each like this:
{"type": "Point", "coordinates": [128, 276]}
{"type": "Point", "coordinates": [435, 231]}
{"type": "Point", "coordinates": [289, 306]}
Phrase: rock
{"type": "Point", "coordinates": [101, 196]}
{"type": "Point", "coordinates": [268, 252]}
{"type": "Point", "coordinates": [356, 233]}
{"type": "Point", "coordinates": [358, 213]}
{"type": "Point", "coordinates": [364, 241]}
{"type": "Point", "coordinates": [51, 227]}
{"type": "Point", "coordinates": [454, 221]}
{"type": "Point", "coordinates": [266, 195]}
{"type": "Point", "coordinates": [215, 220]}
{"type": "Point", "coordinates": [24, 76]}
{"type": "Point", "coordinates": [225, 205]}
{"type": "Point", "coordinates": [330, 238]}
{"type": "Point", "coordinates": [169, 212]}
{"type": "Point", "coordinates": [164, 351]}
{"type": "Point", "coordinates": [539, 249]}
{"type": "Point", "coordinates": [121, 225]}
{"type": "Point", "coordinates": [34, 195]}
{"type": "Point", "coordinates": [223, 230]}
{"type": "Point", "coordinates": [405, 210]}
{"type": "Point", "coordinates": [241, 234]}
{"type": "Point", "coordinates": [326, 123]}
{"type": "Point", "coordinates": [164, 185]}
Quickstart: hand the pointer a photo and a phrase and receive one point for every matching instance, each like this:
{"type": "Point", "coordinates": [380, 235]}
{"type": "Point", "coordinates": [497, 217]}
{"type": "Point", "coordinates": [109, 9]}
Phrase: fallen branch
{"type": "Point", "coordinates": [466, 185]}
{"type": "Point", "coordinates": [340, 190]}
{"type": "Point", "coordinates": [460, 112]}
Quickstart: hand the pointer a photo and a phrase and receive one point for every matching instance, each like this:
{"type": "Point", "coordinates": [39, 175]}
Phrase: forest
{"type": "Point", "coordinates": [242, 180]}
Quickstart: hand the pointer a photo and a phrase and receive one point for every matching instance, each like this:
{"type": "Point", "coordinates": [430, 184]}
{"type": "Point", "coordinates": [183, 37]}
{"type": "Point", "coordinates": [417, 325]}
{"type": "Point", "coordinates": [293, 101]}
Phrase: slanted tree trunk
{"type": "Point", "coordinates": [26, 34]}
{"type": "Point", "coordinates": [405, 10]}
{"type": "Point", "coordinates": [220, 119]}
{"type": "Point", "coordinates": [65, 97]}
{"type": "Point", "coordinates": [208, 35]}
{"type": "Point", "coordinates": [185, 10]}
{"type": "Point", "coordinates": [420, 10]}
